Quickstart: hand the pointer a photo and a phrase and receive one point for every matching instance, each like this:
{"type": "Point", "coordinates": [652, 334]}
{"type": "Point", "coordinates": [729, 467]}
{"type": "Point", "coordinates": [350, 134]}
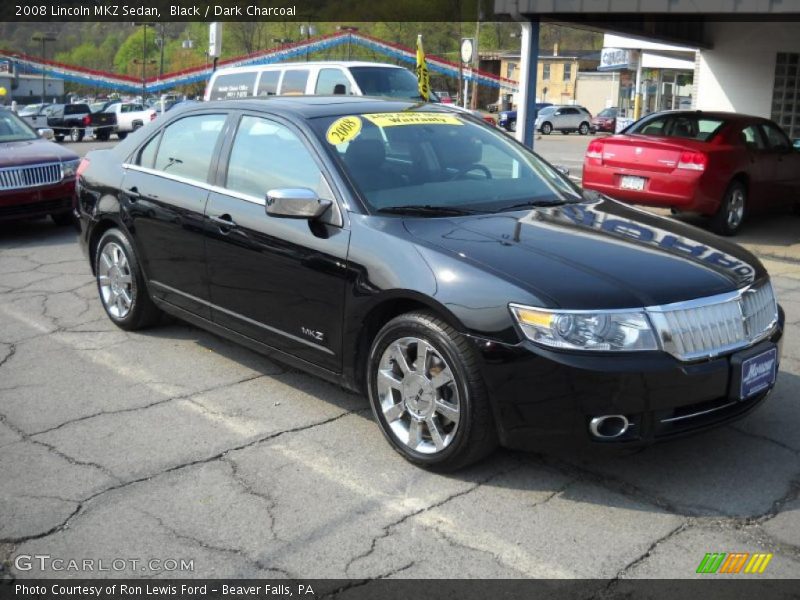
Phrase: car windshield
{"type": "Point", "coordinates": [388, 82]}
{"type": "Point", "coordinates": [424, 160]}
{"type": "Point", "coordinates": [608, 112]}
{"type": "Point", "coordinates": [14, 129]}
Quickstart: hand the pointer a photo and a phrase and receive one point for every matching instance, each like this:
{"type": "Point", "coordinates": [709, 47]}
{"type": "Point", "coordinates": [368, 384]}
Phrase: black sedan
{"type": "Point", "coordinates": [412, 253]}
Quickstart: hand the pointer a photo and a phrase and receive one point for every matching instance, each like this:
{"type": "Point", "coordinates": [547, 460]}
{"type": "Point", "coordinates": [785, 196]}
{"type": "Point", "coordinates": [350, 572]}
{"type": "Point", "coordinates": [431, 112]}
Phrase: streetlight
{"type": "Point", "coordinates": [144, 56]}
{"type": "Point", "coordinates": [47, 37]}
{"type": "Point", "coordinates": [308, 31]}
{"type": "Point", "coordinates": [348, 29]}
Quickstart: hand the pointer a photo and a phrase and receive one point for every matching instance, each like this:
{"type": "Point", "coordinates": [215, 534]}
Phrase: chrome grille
{"type": "Point", "coordinates": [710, 326]}
{"type": "Point", "coordinates": [13, 178]}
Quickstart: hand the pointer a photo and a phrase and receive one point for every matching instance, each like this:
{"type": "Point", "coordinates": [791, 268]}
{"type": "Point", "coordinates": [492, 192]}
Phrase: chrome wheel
{"type": "Point", "coordinates": [418, 395]}
{"type": "Point", "coordinates": [115, 280]}
{"type": "Point", "coordinates": [735, 208]}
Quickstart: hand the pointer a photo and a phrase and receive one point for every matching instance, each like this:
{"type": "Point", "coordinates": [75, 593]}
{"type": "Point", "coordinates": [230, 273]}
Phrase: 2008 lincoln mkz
{"type": "Point", "coordinates": [415, 254]}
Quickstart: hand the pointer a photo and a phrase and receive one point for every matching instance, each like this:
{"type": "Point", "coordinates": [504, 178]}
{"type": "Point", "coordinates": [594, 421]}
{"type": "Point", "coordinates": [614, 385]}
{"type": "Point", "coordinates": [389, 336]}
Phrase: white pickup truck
{"type": "Point", "coordinates": [130, 116]}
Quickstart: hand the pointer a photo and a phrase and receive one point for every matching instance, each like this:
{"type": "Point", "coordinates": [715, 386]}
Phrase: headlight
{"type": "Point", "coordinates": [69, 167]}
{"type": "Point", "coordinates": [584, 330]}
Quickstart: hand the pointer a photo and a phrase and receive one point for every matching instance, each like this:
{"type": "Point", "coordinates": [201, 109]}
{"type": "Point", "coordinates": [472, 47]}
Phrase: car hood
{"type": "Point", "coordinates": [597, 254]}
{"type": "Point", "coordinates": [32, 152]}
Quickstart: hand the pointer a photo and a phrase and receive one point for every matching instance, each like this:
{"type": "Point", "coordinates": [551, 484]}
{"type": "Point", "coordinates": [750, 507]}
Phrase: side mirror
{"type": "Point", "coordinates": [45, 133]}
{"type": "Point", "coordinates": [562, 169]}
{"type": "Point", "coordinates": [295, 203]}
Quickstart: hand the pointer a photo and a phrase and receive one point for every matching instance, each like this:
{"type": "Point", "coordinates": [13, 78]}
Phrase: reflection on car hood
{"type": "Point", "coordinates": [598, 254]}
{"type": "Point", "coordinates": [32, 152]}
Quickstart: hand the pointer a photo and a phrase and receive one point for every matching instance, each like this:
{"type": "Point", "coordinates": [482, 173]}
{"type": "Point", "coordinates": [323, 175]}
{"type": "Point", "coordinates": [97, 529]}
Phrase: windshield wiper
{"type": "Point", "coordinates": [426, 209]}
{"type": "Point", "coordinates": [530, 203]}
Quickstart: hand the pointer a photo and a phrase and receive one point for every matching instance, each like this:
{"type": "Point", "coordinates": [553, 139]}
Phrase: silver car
{"type": "Point", "coordinates": [565, 119]}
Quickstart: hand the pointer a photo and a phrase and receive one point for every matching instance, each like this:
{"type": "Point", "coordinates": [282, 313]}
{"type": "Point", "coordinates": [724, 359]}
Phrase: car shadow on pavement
{"type": "Point", "coordinates": [742, 469]}
{"type": "Point", "coordinates": [780, 231]}
{"type": "Point", "coordinates": [38, 232]}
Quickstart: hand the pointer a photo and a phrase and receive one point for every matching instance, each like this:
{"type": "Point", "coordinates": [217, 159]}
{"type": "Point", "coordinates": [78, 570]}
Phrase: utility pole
{"type": "Point", "coordinates": [144, 56]}
{"type": "Point", "coordinates": [47, 37]}
{"type": "Point", "coordinates": [477, 61]}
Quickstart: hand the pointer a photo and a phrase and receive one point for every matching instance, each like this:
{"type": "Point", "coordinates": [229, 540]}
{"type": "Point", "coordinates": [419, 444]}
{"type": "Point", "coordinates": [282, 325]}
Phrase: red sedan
{"type": "Point", "coordinates": [37, 177]}
{"type": "Point", "coordinates": [723, 165]}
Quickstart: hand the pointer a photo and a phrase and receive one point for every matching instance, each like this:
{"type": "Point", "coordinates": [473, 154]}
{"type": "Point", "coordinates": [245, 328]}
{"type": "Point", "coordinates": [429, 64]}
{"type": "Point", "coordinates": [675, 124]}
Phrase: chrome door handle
{"type": "Point", "coordinates": [223, 221]}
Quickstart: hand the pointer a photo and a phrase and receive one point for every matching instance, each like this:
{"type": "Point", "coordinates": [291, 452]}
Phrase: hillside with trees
{"type": "Point", "coordinates": [118, 47]}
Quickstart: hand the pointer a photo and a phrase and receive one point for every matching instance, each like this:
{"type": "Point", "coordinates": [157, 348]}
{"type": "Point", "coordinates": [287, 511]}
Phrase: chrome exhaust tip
{"type": "Point", "coordinates": [609, 427]}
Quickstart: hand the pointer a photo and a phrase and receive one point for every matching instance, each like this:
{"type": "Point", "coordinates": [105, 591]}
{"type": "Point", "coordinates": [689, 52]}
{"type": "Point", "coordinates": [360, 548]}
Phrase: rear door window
{"type": "Point", "coordinates": [187, 146]}
{"type": "Point", "coordinates": [294, 82]}
{"type": "Point", "coordinates": [752, 138]}
{"type": "Point", "coordinates": [233, 85]}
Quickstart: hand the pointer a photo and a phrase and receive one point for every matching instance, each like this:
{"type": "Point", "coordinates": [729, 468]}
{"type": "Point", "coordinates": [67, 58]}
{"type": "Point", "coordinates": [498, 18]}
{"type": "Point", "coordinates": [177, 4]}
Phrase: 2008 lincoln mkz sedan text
{"type": "Point", "coordinates": [410, 252]}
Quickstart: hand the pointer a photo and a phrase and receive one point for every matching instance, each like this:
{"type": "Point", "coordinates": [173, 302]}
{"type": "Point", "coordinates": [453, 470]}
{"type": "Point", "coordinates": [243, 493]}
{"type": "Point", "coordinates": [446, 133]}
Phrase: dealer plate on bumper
{"type": "Point", "coordinates": [757, 373]}
{"type": "Point", "coordinates": [630, 182]}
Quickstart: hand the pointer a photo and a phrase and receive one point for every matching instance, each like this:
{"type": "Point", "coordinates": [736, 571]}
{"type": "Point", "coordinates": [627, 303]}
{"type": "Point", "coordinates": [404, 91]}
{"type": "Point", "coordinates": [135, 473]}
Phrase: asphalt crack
{"type": "Point", "coordinates": [387, 529]}
{"type": "Point", "coordinates": [82, 503]}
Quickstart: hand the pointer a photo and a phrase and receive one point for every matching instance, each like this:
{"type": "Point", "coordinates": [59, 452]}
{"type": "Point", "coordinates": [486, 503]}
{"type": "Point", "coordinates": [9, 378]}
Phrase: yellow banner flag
{"type": "Point", "coordinates": [423, 78]}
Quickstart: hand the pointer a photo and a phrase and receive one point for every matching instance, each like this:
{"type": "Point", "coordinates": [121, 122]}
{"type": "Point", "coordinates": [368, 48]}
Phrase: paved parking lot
{"type": "Point", "coordinates": [176, 444]}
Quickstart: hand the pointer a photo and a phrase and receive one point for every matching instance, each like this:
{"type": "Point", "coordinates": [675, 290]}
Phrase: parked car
{"type": "Point", "coordinates": [130, 116]}
{"type": "Point", "coordinates": [723, 165]}
{"type": "Point", "coordinates": [314, 78]}
{"type": "Point", "coordinates": [74, 121]}
{"type": "Point", "coordinates": [605, 120]}
{"type": "Point", "coordinates": [444, 97]}
{"type": "Point", "coordinates": [507, 119]}
{"type": "Point", "coordinates": [37, 176]}
{"type": "Point", "coordinates": [473, 292]}
{"type": "Point", "coordinates": [566, 119]}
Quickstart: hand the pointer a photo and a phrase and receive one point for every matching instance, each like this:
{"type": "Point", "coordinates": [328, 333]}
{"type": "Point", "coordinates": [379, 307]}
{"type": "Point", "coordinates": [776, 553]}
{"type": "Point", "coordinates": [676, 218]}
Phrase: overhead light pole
{"type": "Point", "coordinates": [47, 37]}
{"type": "Point", "coordinates": [144, 56]}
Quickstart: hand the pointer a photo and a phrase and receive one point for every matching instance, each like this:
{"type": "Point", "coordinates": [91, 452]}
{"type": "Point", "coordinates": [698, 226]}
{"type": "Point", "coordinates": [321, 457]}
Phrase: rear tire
{"type": "Point", "coordinates": [76, 134]}
{"type": "Point", "coordinates": [732, 211]}
{"type": "Point", "coordinates": [121, 284]}
{"type": "Point", "coordinates": [512, 127]}
{"type": "Point", "coordinates": [427, 393]}
{"type": "Point", "coordinates": [547, 128]}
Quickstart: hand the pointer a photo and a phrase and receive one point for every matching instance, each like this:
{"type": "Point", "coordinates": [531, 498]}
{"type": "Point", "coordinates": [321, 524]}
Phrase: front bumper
{"type": "Point", "coordinates": [543, 398]}
{"type": "Point", "coordinates": [37, 201]}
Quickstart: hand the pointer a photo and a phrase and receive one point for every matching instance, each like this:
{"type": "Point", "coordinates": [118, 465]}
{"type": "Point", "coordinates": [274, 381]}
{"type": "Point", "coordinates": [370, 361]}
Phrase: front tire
{"type": "Point", "coordinates": [427, 393]}
{"type": "Point", "coordinates": [121, 135]}
{"type": "Point", "coordinates": [121, 284]}
{"type": "Point", "coordinates": [547, 128]}
{"type": "Point", "coordinates": [732, 211]}
{"type": "Point", "coordinates": [583, 129]}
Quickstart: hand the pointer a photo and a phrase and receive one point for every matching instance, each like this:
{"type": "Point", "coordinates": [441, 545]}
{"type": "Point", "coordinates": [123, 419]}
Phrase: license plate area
{"type": "Point", "coordinates": [754, 371]}
{"type": "Point", "coordinates": [631, 182]}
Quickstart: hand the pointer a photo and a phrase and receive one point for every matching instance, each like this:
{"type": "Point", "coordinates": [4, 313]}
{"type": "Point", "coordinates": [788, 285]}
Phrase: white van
{"type": "Point", "coordinates": [313, 78]}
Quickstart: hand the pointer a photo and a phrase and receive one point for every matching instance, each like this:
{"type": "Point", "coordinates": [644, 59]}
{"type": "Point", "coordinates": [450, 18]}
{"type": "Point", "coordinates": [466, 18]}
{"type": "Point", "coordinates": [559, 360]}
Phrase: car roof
{"type": "Point", "coordinates": [301, 65]}
{"type": "Point", "coordinates": [310, 107]}
{"type": "Point", "coordinates": [712, 114]}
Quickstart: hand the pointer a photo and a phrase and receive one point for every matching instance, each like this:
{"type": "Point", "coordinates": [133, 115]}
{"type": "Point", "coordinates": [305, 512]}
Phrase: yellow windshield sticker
{"type": "Point", "coordinates": [343, 130]}
{"type": "Point", "coordinates": [412, 118]}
